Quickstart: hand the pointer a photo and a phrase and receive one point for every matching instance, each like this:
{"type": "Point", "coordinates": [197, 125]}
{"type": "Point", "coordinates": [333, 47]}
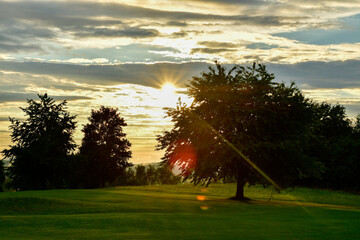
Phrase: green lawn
{"type": "Point", "coordinates": [179, 212]}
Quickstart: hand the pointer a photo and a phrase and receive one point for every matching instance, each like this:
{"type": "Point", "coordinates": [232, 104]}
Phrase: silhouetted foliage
{"type": "Point", "coordinates": [105, 147]}
{"type": "Point", "coordinates": [78, 174]}
{"type": "Point", "coordinates": [152, 175]}
{"type": "Point", "coordinates": [41, 147]}
{"type": "Point", "coordinates": [336, 144]}
{"type": "Point", "coordinates": [238, 115]}
{"type": "Point", "coordinates": [166, 176]}
{"type": "Point", "coordinates": [149, 175]}
{"type": "Point", "coordinates": [140, 173]}
{"type": "Point", "coordinates": [128, 178]}
{"type": "Point", "coordinates": [2, 175]}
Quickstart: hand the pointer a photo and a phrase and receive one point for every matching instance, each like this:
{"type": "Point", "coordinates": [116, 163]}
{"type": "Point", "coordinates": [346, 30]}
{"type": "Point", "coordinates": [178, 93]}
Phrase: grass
{"type": "Point", "coordinates": [179, 212]}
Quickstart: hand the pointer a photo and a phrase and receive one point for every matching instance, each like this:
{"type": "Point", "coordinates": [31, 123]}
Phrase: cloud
{"type": "Point", "coordinates": [46, 29]}
{"type": "Point", "coordinates": [132, 32]}
{"type": "Point", "coordinates": [4, 119]}
{"type": "Point", "coordinates": [263, 46]}
{"type": "Point", "coordinates": [21, 97]}
{"type": "Point", "coordinates": [214, 44]}
{"type": "Point", "coordinates": [177, 23]}
{"type": "Point", "coordinates": [20, 82]}
{"type": "Point", "coordinates": [61, 14]}
{"type": "Point", "coordinates": [140, 116]}
{"type": "Point", "coordinates": [237, 2]}
{"type": "Point", "coordinates": [14, 35]}
{"type": "Point", "coordinates": [142, 74]}
{"type": "Point", "coordinates": [179, 34]}
{"type": "Point", "coordinates": [348, 31]}
{"type": "Point", "coordinates": [211, 50]}
{"type": "Point", "coordinates": [308, 75]}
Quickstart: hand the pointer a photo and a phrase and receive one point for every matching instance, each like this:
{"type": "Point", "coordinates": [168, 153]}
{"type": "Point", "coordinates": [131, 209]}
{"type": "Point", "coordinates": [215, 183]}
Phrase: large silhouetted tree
{"type": "Point", "coordinates": [105, 147]}
{"type": "Point", "coordinates": [42, 143]}
{"type": "Point", "coordinates": [241, 124]}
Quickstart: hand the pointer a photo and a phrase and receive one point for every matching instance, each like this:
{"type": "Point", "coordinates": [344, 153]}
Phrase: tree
{"type": "Point", "coordinates": [105, 146]}
{"type": "Point", "coordinates": [151, 175]}
{"type": "Point", "coordinates": [2, 175]}
{"type": "Point", "coordinates": [42, 144]}
{"type": "Point", "coordinates": [166, 176]}
{"type": "Point", "coordinates": [335, 144]}
{"type": "Point", "coordinates": [141, 176]}
{"type": "Point", "coordinates": [241, 124]}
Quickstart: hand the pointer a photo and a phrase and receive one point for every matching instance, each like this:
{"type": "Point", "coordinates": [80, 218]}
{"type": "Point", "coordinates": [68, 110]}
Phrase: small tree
{"type": "Point", "coordinates": [166, 176]}
{"type": "Point", "coordinates": [151, 175]}
{"type": "Point", "coordinates": [105, 146]}
{"type": "Point", "coordinates": [141, 176]}
{"type": "Point", "coordinates": [241, 124]}
{"type": "Point", "coordinates": [42, 144]}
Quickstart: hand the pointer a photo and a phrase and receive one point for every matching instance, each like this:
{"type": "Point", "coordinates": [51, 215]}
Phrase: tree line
{"type": "Point", "coordinates": [242, 125]}
{"type": "Point", "coordinates": [149, 175]}
{"type": "Point", "coordinates": [43, 152]}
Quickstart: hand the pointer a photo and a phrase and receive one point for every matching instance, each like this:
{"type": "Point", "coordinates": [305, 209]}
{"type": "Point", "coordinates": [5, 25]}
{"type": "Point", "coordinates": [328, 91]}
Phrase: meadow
{"type": "Point", "coordinates": [179, 212]}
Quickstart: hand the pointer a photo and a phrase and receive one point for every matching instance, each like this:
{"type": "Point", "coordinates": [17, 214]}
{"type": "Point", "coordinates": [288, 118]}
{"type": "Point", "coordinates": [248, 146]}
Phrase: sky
{"type": "Point", "coordinates": [137, 55]}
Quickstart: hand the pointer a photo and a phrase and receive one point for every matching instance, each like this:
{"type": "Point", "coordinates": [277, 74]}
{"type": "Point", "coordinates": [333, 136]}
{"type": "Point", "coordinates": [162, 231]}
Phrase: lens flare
{"type": "Point", "coordinates": [200, 197]}
{"type": "Point", "coordinates": [183, 156]}
{"type": "Point", "coordinates": [204, 207]}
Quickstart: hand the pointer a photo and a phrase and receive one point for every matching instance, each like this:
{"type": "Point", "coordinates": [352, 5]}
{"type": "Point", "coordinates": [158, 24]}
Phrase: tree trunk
{"type": "Point", "coordinates": [240, 189]}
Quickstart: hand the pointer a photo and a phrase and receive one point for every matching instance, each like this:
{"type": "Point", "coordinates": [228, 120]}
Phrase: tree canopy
{"type": "Point", "coordinates": [336, 144]}
{"type": "Point", "coordinates": [42, 143]}
{"type": "Point", "coordinates": [241, 124]}
{"type": "Point", "coordinates": [105, 147]}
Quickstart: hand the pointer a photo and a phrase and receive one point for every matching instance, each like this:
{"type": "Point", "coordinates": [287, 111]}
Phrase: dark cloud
{"type": "Point", "coordinates": [132, 32]}
{"type": "Point", "coordinates": [140, 116]}
{"type": "Point", "coordinates": [337, 74]}
{"type": "Point", "coordinates": [16, 48]}
{"type": "Point", "coordinates": [35, 26]}
{"type": "Point", "coordinates": [21, 97]}
{"type": "Point", "coordinates": [213, 47]}
{"type": "Point", "coordinates": [15, 36]}
{"type": "Point", "coordinates": [141, 74]}
{"type": "Point", "coordinates": [4, 119]}
{"type": "Point", "coordinates": [68, 87]}
{"type": "Point", "coordinates": [237, 2]}
{"type": "Point", "coordinates": [263, 46]}
{"type": "Point", "coordinates": [177, 23]}
{"type": "Point", "coordinates": [211, 50]}
{"type": "Point", "coordinates": [214, 44]}
{"type": "Point", "coordinates": [347, 32]}
{"type": "Point", "coordinates": [20, 82]}
{"type": "Point", "coordinates": [179, 34]}
{"type": "Point", "coordinates": [59, 13]}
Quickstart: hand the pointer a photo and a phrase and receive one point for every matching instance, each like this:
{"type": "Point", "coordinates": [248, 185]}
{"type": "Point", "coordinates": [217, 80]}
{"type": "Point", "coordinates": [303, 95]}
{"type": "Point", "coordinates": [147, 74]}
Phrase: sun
{"type": "Point", "coordinates": [168, 94]}
{"type": "Point", "coordinates": [168, 88]}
